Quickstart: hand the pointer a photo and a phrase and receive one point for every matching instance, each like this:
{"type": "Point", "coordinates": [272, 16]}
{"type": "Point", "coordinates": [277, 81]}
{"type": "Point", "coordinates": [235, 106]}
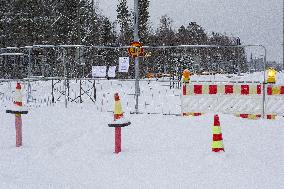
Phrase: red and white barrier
{"type": "Point", "coordinates": [242, 99]}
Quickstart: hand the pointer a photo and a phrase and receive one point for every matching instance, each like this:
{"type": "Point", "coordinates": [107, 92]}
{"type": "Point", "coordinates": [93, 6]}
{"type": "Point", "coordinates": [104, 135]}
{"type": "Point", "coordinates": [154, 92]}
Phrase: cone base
{"type": "Point", "coordinates": [218, 149]}
{"type": "Point", "coordinates": [192, 114]}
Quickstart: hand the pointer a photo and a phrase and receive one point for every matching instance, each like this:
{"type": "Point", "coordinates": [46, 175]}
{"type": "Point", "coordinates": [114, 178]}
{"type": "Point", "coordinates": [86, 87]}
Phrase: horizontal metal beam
{"type": "Point", "coordinates": [13, 54]}
{"type": "Point", "coordinates": [126, 47]}
{"type": "Point", "coordinates": [198, 46]}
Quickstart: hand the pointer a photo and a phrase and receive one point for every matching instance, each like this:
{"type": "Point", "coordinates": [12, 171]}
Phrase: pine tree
{"type": "Point", "coordinates": [165, 33]}
{"type": "Point", "coordinates": [196, 34]}
{"type": "Point", "coordinates": [125, 23]}
{"type": "Point", "coordinates": [66, 27]}
{"type": "Point", "coordinates": [26, 22]}
{"type": "Point", "coordinates": [182, 35]}
{"type": "Point", "coordinates": [6, 16]}
{"type": "Point", "coordinates": [226, 59]}
{"type": "Point", "coordinates": [165, 36]}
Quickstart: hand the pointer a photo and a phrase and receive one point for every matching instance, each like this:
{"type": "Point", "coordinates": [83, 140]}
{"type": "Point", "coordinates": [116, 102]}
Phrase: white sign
{"type": "Point", "coordinates": [111, 71]}
{"type": "Point", "coordinates": [99, 71]}
{"type": "Point", "coordinates": [123, 64]}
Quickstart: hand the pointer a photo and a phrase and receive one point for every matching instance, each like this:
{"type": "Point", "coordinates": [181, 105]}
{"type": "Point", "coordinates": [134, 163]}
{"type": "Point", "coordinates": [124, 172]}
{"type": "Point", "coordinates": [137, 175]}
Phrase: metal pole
{"type": "Point", "coordinates": [94, 86]}
{"type": "Point", "coordinates": [52, 89]}
{"type": "Point", "coordinates": [136, 61]}
{"type": "Point", "coordinates": [238, 59]}
{"type": "Point", "coordinates": [65, 77]}
{"type": "Point", "coordinates": [238, 56]}
{"type": "Point", "coordinates": [136, 19]}
{"type": "Point", "coordinates": [83, 71]}
{"type": "Point", "coordinates": [29, 77]}
{"type": "Point", "coordinates": [264, 82]}
{"type": "Point", "coordinates": [81, 91]}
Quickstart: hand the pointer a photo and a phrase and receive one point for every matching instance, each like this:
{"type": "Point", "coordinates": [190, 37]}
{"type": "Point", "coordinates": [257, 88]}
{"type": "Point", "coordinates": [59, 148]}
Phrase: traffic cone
{"type": "Point", "coordinates": [18, 118]}
{"type": "Point", "coordinates": [18, 96]}
{"type": "Point", "coordinates": [117, 115]}
{"type": "Point", "coordinates": [217, 143]}
{"type": "Point", "coordinates": [117, 107]}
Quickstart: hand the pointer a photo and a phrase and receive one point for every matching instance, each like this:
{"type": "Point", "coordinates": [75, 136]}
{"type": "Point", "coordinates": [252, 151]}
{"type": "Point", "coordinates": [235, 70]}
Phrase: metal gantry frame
{"type": "Point", "coordinates": [137, 77]}
{"type": "Point", "coordinates": [15, 54]}
{"type": "Point", "coordinates": [63, 47]}
{"type": "Point", "coordinates": [65, 77]}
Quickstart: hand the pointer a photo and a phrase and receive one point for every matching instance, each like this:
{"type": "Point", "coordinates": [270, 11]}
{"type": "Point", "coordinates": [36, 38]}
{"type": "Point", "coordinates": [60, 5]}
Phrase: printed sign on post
{"type": "Point", "coordinates": [111, 71]}
{"type": "Point", "coordinates": [99, 71]}
{"type": "Point", "coordinates": [123, 64]}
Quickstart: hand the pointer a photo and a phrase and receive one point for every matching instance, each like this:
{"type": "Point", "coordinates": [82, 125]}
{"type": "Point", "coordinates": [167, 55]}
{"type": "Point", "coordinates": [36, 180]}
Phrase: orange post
{"type": "Point", "coordinates": [117, 142]}
{"type": "Point", "coordinates": [18, 118]}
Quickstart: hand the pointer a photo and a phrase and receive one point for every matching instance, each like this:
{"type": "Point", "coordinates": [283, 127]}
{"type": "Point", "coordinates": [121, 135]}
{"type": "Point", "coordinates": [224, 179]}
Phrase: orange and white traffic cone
{"type": "Point", "coordinates": [117, 107]}
{"type": "Point", "coordinates": [217, 143]}
{"type": "Point", "coordinates": [18, 118]}
{"type": "Point", "coordinates": [117, 115]}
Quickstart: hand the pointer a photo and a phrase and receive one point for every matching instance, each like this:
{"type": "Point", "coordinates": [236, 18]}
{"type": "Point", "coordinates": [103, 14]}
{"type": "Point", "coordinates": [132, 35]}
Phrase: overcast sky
{"type": "Point", "coordinates": [254, 21]}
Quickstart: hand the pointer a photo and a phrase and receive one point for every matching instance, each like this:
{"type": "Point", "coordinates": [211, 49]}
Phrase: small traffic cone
{"type": "Point", "coordinates": [117, 115]}
{"type": "Point", "coordinates": [18, 118]}
{"type": "Point", "coordinates": [18, 95]}
{"type": "Point", "coordinates": [117, 107]}
{"type": "Point", "coordinates": [217, 143]}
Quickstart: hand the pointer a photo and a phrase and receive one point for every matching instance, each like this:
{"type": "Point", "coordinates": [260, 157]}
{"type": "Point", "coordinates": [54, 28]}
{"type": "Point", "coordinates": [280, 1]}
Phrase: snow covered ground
{"type": "Point", "coordinates": [73, 147]}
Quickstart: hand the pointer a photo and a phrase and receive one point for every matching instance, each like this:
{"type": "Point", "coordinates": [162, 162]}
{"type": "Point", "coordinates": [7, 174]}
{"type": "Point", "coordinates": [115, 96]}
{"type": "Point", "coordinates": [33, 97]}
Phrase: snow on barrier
{"type": "Point", "coordinates": [243, 99]}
